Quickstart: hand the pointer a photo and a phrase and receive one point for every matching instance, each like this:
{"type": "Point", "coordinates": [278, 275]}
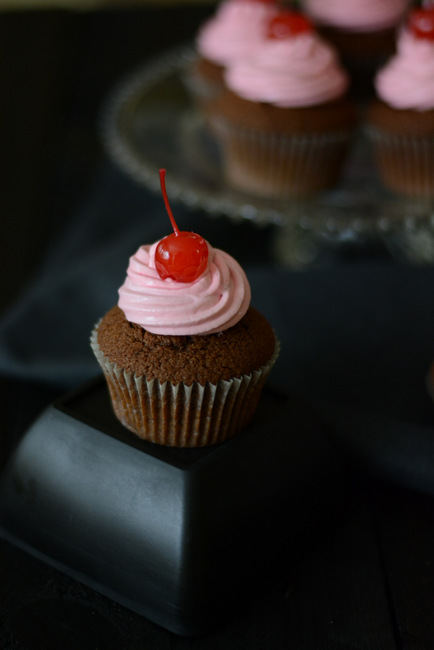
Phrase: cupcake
{"type": "Point", "coordinates": [401, 118]}
{"type": "Point", "coordinates": [184, 354]}
{"type": "Point", "coordinates": [362, 30]}
{"type": "Point", "coordinates": [284, 121]}
{"type": "Point", "coordinates": [233, 32]}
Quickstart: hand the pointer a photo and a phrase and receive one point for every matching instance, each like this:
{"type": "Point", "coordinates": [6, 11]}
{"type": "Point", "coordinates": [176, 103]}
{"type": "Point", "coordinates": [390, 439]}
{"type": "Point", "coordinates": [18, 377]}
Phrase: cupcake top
{"type": "Point", "coordinates": [212, 303]}
{"type": "Point", "coordinates": [407, 80]}
{"type": "Point", "coordinates": [292, 67]}
{"type": "Point", "coordinates": [180, 285]}
{"type": "Point", "coordinates": [357, 15]}
{"type": "Point", "coordinates": [235, 30]}
{"type": "Point", "coordinates": [238, 351]}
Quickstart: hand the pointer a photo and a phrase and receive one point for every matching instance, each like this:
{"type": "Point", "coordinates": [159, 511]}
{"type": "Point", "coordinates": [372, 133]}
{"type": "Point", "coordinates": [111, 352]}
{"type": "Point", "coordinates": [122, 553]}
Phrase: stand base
{"type": "Point", "coordinates": [181, 536]}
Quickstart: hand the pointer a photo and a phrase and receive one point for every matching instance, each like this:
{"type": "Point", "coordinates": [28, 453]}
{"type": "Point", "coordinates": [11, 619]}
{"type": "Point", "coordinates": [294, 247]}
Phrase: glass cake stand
{"type": "Point", "coordinates": [149, 121]}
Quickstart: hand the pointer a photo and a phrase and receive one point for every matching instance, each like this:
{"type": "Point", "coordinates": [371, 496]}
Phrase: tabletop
{"type": "Point", "coordinates": [365, 577]}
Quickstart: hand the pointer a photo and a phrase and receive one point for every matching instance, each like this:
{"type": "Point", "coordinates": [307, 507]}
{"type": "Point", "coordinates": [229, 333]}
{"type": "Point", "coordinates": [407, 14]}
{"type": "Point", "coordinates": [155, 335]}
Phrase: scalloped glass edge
{"type": "Point", "coordinates": [352, 210]}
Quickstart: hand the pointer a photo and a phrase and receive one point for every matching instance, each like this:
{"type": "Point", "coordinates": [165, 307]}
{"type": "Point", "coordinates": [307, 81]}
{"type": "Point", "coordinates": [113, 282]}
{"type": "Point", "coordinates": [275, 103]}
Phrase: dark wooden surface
{"type": "Point", "coordinates": [364, 584]}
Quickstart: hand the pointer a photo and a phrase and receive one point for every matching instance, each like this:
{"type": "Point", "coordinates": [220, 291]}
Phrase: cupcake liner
{"type": "Point", "coordinates": [405, 163]}
{"type": "Point", "coordinates": [276, 165]}
{"type": "Point", "coordinates": [178, 415]}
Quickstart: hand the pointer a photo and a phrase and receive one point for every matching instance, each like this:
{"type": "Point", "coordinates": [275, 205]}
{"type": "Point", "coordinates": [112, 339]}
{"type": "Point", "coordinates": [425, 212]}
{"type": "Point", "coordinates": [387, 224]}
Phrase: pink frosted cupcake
{"type": "Point", "coordinates": [232, 33]}
{"type": "Point", "coordinates": [184, 354]}
{"type": "Point", "coordinates": [359, 28]}
{"type": "Point", "coordinates": [401, 119]}
{"type": "Point", "coordinates": [284, 120]}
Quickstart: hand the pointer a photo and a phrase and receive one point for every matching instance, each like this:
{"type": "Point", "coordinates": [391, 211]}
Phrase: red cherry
{"type": "Point", "coordinates": [421, 23]}
{"type": "Point", "coordinates": [181, 256]}
{"type": "Point", "coordinates": [288, 23]}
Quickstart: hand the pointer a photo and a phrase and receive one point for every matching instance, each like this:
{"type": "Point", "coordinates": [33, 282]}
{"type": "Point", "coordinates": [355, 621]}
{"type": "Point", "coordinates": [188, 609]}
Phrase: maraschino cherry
{"type": "Point", "coordinates": [421, 22]}
{"type": "Point", "coordinates": [288, 23]}
{"type": "Point", "coordinates": [181, 256]}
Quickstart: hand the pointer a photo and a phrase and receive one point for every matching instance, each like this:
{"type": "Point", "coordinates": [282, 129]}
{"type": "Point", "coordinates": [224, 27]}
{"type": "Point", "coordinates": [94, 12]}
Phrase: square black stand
{"type": "Point", "coordinates": [181, 536]}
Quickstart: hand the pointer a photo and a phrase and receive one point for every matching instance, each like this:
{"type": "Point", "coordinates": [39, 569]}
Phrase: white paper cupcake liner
{"type": "Point", "coordinates": [179, 415]}
{"type": "Point", "coordinates": [405, 163]}
{"type": "Point", "coordinates": [279, 165]}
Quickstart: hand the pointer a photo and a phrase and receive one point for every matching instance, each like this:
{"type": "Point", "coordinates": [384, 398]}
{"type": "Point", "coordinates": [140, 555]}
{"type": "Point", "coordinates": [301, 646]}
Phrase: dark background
{"type": "Point", "coordinates": [365, 582]}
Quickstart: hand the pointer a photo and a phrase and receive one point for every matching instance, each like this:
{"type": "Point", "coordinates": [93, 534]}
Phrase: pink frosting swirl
{"type": "Point", "coordinates": [407, 80]}
{"type": "Point", "coordinates": [213, 302]}
{"type": "Point", "coordinates": [235, 30]}
{"type": "Point", "coordinates": [290, 72]}
{"type": "Point", "coordinates": [357, 15]}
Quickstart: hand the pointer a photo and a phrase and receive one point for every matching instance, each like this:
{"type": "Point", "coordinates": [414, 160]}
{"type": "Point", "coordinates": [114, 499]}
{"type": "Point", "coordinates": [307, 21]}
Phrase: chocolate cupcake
{"type": "Point", "coordinates": [184, 355]}
{"type": "Point", "coordinates": [401, 118]}
{"type": "Point", "coordinates": [284, 121]}
{"type": "Point", "coordinates": [363, 32]}
{"type": "Point", "coordinates": [231, 33]}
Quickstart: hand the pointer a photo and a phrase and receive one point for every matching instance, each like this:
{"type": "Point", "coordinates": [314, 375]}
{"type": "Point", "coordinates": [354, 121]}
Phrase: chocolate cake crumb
{"type": "Point", "coordinates": [236, 351]}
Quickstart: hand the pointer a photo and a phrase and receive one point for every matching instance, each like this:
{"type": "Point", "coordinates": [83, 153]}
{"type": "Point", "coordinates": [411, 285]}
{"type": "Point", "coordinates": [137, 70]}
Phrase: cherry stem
{"type": "Point", "coordinates": [166, 201]}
